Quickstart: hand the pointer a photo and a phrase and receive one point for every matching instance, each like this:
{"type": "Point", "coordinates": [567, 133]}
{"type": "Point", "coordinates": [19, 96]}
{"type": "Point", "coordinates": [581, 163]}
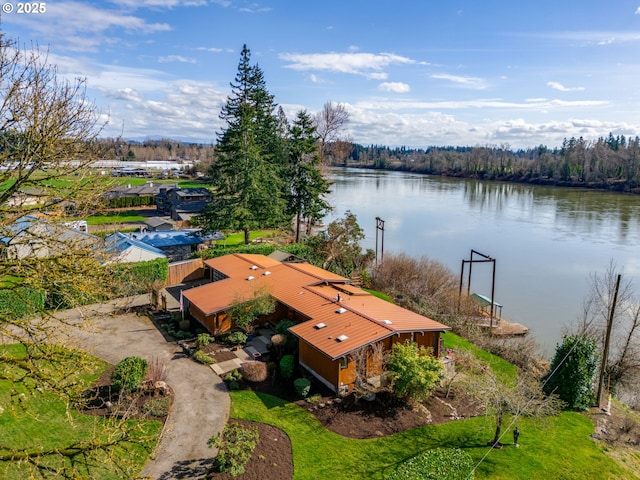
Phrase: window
{"type": "Point", "coordinates": [343, 362]}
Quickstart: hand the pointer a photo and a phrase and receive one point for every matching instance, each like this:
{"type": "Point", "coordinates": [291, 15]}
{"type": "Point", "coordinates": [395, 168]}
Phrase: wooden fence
{"type": "Point", "coordinates": [186, 271]}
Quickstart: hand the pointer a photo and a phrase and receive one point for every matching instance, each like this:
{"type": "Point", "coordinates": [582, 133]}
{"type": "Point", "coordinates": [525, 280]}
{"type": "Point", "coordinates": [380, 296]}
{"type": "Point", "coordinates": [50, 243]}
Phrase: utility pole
{"type": "Point", "coordinates": [605, 353]}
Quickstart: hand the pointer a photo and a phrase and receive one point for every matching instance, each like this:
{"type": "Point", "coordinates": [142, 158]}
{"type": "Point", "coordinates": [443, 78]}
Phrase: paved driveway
{"type": "Point", "coordinates": [201, 404]}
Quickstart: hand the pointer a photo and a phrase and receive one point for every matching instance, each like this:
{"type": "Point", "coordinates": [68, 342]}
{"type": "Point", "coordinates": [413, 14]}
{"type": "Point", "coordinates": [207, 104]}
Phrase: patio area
{"type": "Point", "coordinates": [255, 349]}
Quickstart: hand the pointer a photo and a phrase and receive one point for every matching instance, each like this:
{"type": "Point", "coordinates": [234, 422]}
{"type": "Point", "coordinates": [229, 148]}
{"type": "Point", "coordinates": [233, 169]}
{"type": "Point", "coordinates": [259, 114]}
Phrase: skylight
{"type": "Point", "coordinates": [388, 322]}
{"type": "Point", "coordinates": [253, 267]}
{"type": "Point", "coordinates": [267, 272]}
{"type": "Point", "coordinates": [320, 325]}
{"type": "Point", "coordinates": [342, 338]}
{"type": "Point", "coordinates": [341, 310]}
{"type": "Point", "coordinates": [250, 277]}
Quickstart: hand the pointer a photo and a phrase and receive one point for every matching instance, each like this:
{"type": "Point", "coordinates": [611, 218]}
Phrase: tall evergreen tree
{"type": "Point", "coordinates": [305, 184]}
{"type": "Point", "coordinates": [246, 174]}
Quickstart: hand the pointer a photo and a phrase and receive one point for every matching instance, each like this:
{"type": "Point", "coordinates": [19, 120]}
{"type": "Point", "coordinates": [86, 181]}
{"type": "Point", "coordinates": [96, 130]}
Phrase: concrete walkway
{"type": "Point", "coordinates": [201, 405]}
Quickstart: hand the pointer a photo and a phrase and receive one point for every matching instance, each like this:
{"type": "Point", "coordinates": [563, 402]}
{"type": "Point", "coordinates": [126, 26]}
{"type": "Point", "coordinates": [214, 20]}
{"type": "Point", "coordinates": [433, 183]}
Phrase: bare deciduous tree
{"type": "Point", "coordinates": [330, 122]}
{"type": "Point", "coordinates": [622, 372]}
{"type": "Point", "coordinates": [522, 398]}
{"type": "Point", "coordinates": [48, 132]}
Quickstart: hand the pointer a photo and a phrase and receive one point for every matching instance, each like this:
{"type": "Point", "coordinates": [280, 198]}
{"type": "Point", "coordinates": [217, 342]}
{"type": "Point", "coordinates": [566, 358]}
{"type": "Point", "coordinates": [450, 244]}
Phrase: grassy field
{"type": "Point", "coordinates": [34, 419]}
{"type": "Point", "coordinates": [554, 448]}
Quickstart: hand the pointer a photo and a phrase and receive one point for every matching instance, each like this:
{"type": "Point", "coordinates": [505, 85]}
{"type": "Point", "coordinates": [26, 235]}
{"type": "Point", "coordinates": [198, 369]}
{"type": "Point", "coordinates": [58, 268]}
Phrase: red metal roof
{"type": "Point", "coordinates": [309, 290]}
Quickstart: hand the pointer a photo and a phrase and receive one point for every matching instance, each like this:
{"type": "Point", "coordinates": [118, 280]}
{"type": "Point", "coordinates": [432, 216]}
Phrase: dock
{"type": "Point", "coordinates": [501, 327]}
{"type": "Point", "coordinates": [497, 325]}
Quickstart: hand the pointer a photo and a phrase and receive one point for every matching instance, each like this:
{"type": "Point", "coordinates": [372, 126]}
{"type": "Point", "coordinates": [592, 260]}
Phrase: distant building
{"type": "Point", "coordinates": [149, 189]}
{"type": "Point", "coordinates": [30, 236]}
{"type": "Point", "coordinates": [124, 249]}
{"type": "Point", "coordinates": [175, 244]}
{"type": "Point", "coordinates": [182, 203]}
{"type": "Point", "coordinates": [155, 224]}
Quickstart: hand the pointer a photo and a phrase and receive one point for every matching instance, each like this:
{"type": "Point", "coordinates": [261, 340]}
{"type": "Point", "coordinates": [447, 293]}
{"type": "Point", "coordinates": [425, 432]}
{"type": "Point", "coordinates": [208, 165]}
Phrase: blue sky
{"type": "Point", "coordinates": [410, 72]}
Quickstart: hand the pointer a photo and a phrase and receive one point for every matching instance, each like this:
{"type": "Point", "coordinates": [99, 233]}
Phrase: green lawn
{"type": "Point", "coordinates": [504, 371]}
{"type": "Point", "coordinates": [33, 419]}
{"type": "Point", "coordinates": [115, 217]}
{"type": "Point", "coordinates": [554, 448]}
{"type": "Point", "coordinates": [237, 238]}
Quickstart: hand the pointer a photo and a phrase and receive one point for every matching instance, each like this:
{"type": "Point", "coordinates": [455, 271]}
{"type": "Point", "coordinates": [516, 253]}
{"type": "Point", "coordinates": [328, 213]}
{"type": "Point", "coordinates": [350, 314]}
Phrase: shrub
{"type": "Point", "coordinates": [233, 375]}
{"type": "Point", "coordinates": [203, 340]}
{"type": "Point", "coordinates": [279, 340]}
{"type": "Point", "coordinates": [413, 371]}
{"type": "Point", "coordinates": [235, 338]}
{"type": "Point", "coordinates": [282, 328]}
{"type": "Point", "coordinates": [129, 373]}
{"type": "Point", "coordinates": [573, 371]}
{"type": "Point", "coordinates": [157, 370]}
{"type": "Point", "coordinates": [287, 364]}
{"type": "Point", "coordinates": [201, 357]}
{"type": "Point", "coordinates": [437, 464]}
{"type": "Point", "coordinates": [233, 385]}
{"type": "Point", "coordinates": [235, 445]}
{"type": "Point", "coordinates": [254, 371]}
{"type": "Point", "coordinates": [302, 386]}
{"type": "Point", "coordinates": [157, 407]}
{"type": "Point", "coordinates": [135, 278]}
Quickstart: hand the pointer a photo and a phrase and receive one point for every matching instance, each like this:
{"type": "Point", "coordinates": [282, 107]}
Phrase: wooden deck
{"type": "Point", "coordinates": [502, 327]}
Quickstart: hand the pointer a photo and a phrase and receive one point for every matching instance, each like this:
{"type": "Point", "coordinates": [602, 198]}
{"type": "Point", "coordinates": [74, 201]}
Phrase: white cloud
{"type": "Point", "coordinates": [127, 94]}
{"type": "Point", "coordinates": [81, 27]}
{"type": "Point", "coordinates": [637, 11]}
{"type": "Point", "coordinates": [184, 110]}
{"type": "Point", "coordinates": [369, 65]}
{"type": "Point", "coordinates": [473, 83]}
{"type": "Point", "coordinates": [210, 49]}
{"type": "Point", "coordinates": [562, 88]}
{"type": "Point", "coordinates": [176, 58]}
{"type": "Point", "coordinates": [397, 87]}
{"type": "Point", "coordinates": [481, 103]}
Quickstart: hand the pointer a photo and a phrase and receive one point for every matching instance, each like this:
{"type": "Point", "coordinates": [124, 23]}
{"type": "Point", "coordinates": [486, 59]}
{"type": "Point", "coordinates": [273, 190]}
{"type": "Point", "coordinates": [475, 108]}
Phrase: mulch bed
{"type": "Point", "coordinates": [271, 459]}
{"type": "Point", "coordinates": [100, 396]}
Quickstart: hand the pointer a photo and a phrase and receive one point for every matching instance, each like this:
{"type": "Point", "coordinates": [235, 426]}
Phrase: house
{"type": "Point", "coordinates": [182, 203]}
{"type": "Point", "coordinates": [124, 249]}
{"type": "Point", "coordinates": [334, 320]}
{"type": "Point", "coordinates": [155, 224]}
{"type": "Point", "coordinates": [149, 189]}
{"type": "Point", "coordinates": [31, 236]}
{"type": "Point", "coordinates": [177, 245]}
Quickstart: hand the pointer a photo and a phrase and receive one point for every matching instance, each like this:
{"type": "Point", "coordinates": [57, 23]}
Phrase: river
{"type": "Point", "coordinates": [547, 241]}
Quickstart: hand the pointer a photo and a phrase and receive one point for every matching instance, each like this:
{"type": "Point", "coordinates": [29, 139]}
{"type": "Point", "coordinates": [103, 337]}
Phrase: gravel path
{"type": "Point", "coordinates": [201, 405]}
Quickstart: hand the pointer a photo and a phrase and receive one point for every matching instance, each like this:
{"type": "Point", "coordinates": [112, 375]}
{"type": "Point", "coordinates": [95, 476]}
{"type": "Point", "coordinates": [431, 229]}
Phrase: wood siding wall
{"type": "Point", "coordinates": [319, 363]}
{"type": "Point", "coordinates": [186, 271]}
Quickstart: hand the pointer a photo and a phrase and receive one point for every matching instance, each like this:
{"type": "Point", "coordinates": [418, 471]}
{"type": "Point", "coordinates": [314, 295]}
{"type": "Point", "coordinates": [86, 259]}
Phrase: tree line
{"type": "Point", "coordinates": [611, 163]}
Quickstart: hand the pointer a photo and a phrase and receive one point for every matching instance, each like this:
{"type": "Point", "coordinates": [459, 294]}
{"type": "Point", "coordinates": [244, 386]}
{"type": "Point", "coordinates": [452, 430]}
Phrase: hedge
{"type": "Point", "coordinates": [137, 278]}
{"type": "Point", "coordinates": [298, 249]}
{"type": "Point", "coordinates": [126, 202]}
